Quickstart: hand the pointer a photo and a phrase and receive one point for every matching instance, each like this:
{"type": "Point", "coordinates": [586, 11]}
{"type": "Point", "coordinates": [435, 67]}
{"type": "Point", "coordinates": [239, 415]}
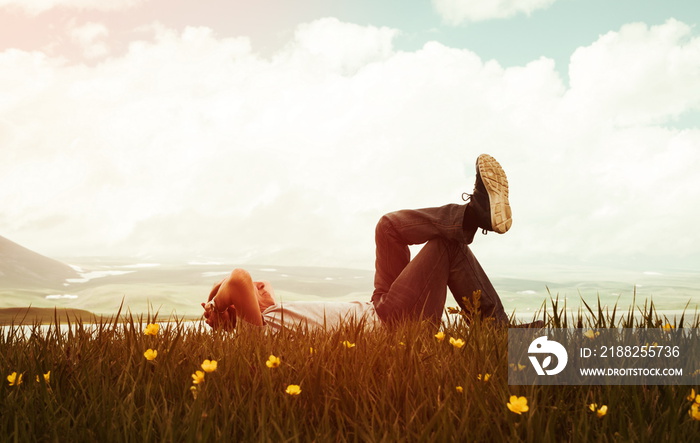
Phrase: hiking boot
{"type": "Point", "coordinates": [489, 201]}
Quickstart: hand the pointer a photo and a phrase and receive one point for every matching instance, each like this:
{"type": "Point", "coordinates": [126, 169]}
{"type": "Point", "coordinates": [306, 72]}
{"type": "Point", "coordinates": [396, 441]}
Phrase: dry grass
{"type": "Point", "coordinates": [395, 384]}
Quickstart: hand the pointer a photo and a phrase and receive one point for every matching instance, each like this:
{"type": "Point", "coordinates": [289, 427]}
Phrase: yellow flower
{"type": "Point", "coordinates": [198, 377]}
{"type": "Point", "coordinates": [150, 354]}
{"type": "Point", "coordinates": [456, 342]}
{"type": "Point", "coordinates": [152, 329]}
{"type": "Point", "coordinates": [402, 344]}
{"type": "Point", "coordinates": [193, 390]}
{"type": "Point", "coordinates": [459, 389]}
{"type": "Point", "coordinates": [517, 367]}
{"type": "Point", "coordinates": [273, 362]}
{"type": "Point", "coordinates": [293, 390]}
{"type": "Point", "coordinates": [312, 351]}
{"type": "Point", "coordinates": [484, 378]}
{"type": "Point", "coordinates": [694, 411]}
{"type": "Point", "coordinates": [209, 365]}
{"type": "Point", "coordinates": [517, 404]}
{"type": "Point", "coordinates": [47, 377]}
{"type": "Point", "coordinates": [668, 327]}
{"type": "Point", "coordinates": [590, 334]}
{"type": "Point", "coordinates": [692, 395]}
{"type": "Point", "coordinates": [347, 344]}
{"type": "Point", "coordinates": [451, 310]}
{"type": "Point", "coordinates": [440, 336]}
{"type": "Point", "coordinates": [14, 379]}
{"type": "Point", "coordinates": [602, 411]}
{"type": "Point", "coordinates": [599, 411]}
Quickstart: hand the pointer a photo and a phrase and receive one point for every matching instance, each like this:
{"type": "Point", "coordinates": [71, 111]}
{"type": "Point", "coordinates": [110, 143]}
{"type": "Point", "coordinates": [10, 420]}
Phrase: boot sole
{"type": "Point", "coordinates": [496, 184]}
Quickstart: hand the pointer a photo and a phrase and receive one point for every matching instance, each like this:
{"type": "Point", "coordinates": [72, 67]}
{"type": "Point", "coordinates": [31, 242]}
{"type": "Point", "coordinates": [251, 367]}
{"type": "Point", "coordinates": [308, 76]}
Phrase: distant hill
{"type": "Point", "coordinates": [23, 268]}
{"type": "Point", "coordinates": [32, 316]}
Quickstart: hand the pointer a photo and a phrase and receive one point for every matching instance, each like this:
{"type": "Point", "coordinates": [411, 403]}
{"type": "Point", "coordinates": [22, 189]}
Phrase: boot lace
{"type": "Point", "coordinates": [466, 197]}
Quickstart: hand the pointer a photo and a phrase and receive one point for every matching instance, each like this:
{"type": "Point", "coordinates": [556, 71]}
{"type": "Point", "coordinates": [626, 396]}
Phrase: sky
{"type": "Point", "coordinates": [278, 132]}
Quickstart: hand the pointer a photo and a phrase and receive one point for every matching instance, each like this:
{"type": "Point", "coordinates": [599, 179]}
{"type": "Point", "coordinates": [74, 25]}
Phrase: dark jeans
{"type": "Point", "coordinates": [415, 289]}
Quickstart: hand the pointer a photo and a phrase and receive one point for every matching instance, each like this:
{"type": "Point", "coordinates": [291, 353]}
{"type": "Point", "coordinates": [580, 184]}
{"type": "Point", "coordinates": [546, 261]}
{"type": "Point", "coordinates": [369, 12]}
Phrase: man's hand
{"type": "Point", "coordinates": [226, 319]}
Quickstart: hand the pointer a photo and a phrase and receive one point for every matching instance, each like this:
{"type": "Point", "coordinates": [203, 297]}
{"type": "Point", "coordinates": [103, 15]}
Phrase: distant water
{"type": "Point", "coordinates": [178, 288]}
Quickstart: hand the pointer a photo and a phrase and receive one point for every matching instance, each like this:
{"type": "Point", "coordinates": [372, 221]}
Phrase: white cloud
{"type": "Point", "coordinates": [91, 39]}
{"type": "Point", "coordinates": [639, 75]}
{"type": "Point", "coordinates": [191, 144]}
{"type": "Point", "coordinates": [341, 46]}
{"type": "Point", "coordinates": [35, 7]}
{"type": "Point", "coordinates": [460, 11]}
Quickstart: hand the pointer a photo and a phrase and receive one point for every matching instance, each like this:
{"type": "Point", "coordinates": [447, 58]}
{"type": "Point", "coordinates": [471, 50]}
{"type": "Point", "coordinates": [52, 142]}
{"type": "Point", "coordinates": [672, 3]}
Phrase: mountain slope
{"type": "Point", "coordinates": [21, 267]}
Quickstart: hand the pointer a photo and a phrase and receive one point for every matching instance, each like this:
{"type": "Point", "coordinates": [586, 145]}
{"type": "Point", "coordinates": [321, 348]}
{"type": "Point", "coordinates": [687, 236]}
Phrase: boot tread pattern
{"type": "Point", "coordinates": [496, 184]}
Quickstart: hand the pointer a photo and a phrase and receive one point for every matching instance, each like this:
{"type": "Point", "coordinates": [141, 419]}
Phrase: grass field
{"type": "Point", "coordinates": [357, 383]}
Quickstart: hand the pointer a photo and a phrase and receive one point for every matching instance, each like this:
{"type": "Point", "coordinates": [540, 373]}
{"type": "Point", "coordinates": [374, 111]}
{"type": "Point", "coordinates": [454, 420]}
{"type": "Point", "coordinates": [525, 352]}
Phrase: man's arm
{"type": "Point", "coordinates": [236, 291]}
{"type": "Point", "coordinates": [226, 319]}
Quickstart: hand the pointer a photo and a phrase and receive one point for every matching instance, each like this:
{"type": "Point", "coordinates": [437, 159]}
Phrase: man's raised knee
{"type": "Point", "coordinates": [384, 223]}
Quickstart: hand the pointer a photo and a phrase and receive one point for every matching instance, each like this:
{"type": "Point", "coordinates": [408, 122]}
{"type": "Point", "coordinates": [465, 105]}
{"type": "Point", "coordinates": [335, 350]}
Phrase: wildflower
{"type": "Point", "coordinates": [692, 396]}
{"type": "Point", "coordinates": [47, 377]}
{"type": "Point", "coordinates": [696, 373]}
{"type": "Point", "coordinates": [312, 351]}
{"type": "Point", "coordinates": [14, 379]}
{"type": "Point", "coordinates": [150, 354]}
{"type": "Point", "coordinates": [485, 377]}
{"type": "Point", "coordinates": [517, 367]}
{"type": "Point", "coordinates": [456, 342]}
{"type": "Point", "coordinates": [402, 344]}
{"type": "Point", "coordinates": [451, 310]}
{"type": "Point", "coordinates": [459, 389]}
{"type": "Point", "coordinates": [347, 344]}
{"type": "Point", "coordinates": [293, 390]}
{"type": "Point", "coordinates": [152, 329]}
{"type": "Point", "coordinates": [273, 362]}
{"type": "Point", "coordinates": [668, 327]}
{"type": "Point", "coordinates": [198, 377]}
{"type": "Point", "coordinates": [694, 411]}
{"type": "Point", "coordinates": [440, 336]}
{"type": "Point", "coordinates": [473, 305]}
{"type": "Point", "coordinates": [193, 390]}
{"type": "Point", "coordinates": [600, 412]}
{"type": "Point", "coordinates": [209, 365]}
{"type": "Point", "coordinates": [590, 334]}
{"type": "Point", "coordinates": [517, 404]}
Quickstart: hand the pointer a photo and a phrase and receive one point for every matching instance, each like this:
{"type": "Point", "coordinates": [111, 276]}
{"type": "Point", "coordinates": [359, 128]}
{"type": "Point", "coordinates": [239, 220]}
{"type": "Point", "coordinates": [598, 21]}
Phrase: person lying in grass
{"type": "Point", "coordinates": [403, 288]}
